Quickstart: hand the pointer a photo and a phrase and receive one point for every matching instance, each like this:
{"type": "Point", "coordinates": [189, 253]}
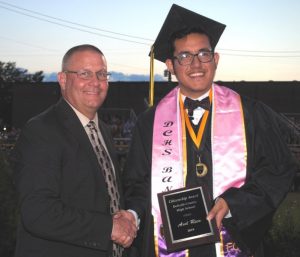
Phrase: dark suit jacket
{"type": "Point", "coordinates": [64, 203]}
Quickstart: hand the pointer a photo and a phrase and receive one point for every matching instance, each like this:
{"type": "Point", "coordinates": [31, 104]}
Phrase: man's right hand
{"type": "Point", "coordinates": [124, 228]}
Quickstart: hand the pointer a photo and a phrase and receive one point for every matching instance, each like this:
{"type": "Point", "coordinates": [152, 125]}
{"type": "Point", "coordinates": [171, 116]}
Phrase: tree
{"type": "Point", "coordinates": [9, 74]}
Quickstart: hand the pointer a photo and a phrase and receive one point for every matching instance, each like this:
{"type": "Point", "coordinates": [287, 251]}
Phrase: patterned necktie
{"type": "Point", "coordinates": [108, 173]}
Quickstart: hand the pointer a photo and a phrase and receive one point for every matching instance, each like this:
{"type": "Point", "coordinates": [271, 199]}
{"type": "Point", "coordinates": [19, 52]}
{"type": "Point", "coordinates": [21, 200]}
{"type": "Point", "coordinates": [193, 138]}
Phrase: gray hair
{"type": "Point", "coordinates": [76, 49]}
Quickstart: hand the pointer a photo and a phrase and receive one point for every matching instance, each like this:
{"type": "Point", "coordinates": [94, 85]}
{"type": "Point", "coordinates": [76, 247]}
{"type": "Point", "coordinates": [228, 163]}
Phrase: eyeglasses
{"type": "Point", "coordinates": [187, 58]}
{"type": "Point", "coordinates": [87, 74]}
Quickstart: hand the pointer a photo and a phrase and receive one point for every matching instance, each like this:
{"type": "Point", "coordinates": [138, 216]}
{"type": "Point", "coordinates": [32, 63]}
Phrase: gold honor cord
{"type": "Point", "coordinates": [151, 86]}
{"type": "Point", "coordinates": [196, 139]}
{"type": "Point", "coordinates": [221, 244]}
{"type": "Point", "coordinates": [184, 150]}
{"type": "Point", "coordinates": [155, 237]}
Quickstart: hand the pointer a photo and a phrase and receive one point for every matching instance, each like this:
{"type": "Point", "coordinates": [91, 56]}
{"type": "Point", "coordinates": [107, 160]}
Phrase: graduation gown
{"type": "Point", "coordinates": [270, 171]}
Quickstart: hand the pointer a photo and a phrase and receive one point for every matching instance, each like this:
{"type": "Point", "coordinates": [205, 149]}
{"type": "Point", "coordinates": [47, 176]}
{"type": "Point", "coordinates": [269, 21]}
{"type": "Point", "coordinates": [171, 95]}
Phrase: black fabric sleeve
{"type": "Point", "coordinates": [137, 172]}
{"type": "Point", "coordinates": [270, 172]}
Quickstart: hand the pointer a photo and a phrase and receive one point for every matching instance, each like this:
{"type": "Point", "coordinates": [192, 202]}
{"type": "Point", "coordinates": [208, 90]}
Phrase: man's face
{"type": "Point", "coordinates": [86, 95]}
{"type": "Point", "coordinates": [196, 78]}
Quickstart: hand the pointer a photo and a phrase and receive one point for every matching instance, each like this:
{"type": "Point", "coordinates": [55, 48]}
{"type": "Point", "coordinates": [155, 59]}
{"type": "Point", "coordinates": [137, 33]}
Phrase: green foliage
{"type": "Point", "coordinates": [283, 240]}
{"type": "Point", "coordinates": [9, 74]}
{"type": "Point", "coordinates": [8, 209]}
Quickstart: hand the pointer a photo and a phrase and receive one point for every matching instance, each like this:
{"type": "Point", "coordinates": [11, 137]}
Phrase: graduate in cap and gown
{"type": "Point", "coordinates": [204, 133]}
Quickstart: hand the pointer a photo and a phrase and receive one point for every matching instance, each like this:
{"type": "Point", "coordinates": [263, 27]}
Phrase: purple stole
{"type": "Point", "coordinates": [169, 154]}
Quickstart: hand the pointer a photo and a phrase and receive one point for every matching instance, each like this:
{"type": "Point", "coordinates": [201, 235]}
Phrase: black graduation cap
{"type": "Point", "coordinates": [180, 18]}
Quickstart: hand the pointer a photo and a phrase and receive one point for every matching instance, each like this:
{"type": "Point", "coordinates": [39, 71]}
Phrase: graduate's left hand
{"type": "Point", "coordinates": [219, 211]}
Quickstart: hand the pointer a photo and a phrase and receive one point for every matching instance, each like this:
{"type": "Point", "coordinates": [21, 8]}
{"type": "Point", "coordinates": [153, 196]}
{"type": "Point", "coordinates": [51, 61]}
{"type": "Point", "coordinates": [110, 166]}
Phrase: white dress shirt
{"type": "Point", "coordinates": [198, 112]}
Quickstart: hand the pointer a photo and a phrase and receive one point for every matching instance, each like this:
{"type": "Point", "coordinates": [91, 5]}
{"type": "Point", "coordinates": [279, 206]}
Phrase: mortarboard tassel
{"type": "Point", "coordinates": [151, 86]}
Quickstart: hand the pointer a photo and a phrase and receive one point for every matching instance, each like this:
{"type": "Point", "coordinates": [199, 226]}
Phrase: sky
{"type": "Point", "coordinates": [261, 41]}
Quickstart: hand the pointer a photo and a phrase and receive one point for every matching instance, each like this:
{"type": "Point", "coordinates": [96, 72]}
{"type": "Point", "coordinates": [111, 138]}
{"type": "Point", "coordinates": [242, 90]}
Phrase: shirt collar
{"type": "Point", "coordinates": [83, 119]}
{"type": "Point", "coordinates": [199, 98]}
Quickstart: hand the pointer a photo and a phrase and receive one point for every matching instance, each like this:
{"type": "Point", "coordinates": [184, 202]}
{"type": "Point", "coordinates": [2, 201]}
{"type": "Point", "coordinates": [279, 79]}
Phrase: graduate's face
{"type": "Point", "coordinates": [86, 95]}
{"type": "Point", "coordinates": [196, 78]}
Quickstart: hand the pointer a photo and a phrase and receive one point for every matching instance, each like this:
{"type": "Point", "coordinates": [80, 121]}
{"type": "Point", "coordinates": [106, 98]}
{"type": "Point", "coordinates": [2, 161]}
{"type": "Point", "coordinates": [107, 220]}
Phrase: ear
{"type": "Point", "coordinates": [170, 66]}
{"type": "Point", "coordinates": [62, 79]}
{"type": "Point", "coordinates": [216, 59]}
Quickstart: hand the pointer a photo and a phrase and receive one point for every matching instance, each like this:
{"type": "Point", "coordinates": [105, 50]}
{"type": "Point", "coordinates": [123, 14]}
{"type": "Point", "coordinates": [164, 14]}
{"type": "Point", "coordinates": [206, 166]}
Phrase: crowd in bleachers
{"type": "Point", "coordinates": [121, 123]}
{"type": "Point", "coordinates": [8, 137]}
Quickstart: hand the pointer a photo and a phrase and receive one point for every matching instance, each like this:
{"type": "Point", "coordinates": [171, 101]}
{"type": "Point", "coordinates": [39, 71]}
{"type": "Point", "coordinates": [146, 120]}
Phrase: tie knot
{"type": "Point", "coordinates": [191, 104]}
{"type": "Point", "coordinates": [91, 124]}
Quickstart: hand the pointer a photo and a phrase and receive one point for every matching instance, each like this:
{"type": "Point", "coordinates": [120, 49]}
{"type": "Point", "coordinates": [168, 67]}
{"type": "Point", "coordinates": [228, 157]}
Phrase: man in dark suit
{"type": "Point", "coordinates": [67, 207]}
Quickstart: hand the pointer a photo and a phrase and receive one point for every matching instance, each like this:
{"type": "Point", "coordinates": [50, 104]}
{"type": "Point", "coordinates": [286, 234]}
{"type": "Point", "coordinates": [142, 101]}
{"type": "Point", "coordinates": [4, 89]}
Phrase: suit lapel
{"type": "Point", "coordinates": [75, 130]}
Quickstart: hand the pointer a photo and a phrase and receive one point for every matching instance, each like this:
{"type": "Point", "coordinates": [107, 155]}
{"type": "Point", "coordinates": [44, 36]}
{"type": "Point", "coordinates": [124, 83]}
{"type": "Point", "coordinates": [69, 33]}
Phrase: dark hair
{"type": "Point", "coordinates": [76, 49]}
{"type": "Point", "coordinates": [181, 34]}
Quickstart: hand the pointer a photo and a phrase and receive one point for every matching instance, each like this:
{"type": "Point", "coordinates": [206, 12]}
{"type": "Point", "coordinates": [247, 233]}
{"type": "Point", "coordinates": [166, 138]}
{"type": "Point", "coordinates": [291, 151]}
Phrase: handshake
{"type": "Point", "coordinates": [124, 228]}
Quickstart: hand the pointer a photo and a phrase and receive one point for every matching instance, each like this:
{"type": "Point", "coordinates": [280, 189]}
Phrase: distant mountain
{"type": "Point", "coordinates": [119, 76]}
{"type": "Point", "coordinates": [115, 76]}
{"type": "Point", "coordinates": [50, 77]}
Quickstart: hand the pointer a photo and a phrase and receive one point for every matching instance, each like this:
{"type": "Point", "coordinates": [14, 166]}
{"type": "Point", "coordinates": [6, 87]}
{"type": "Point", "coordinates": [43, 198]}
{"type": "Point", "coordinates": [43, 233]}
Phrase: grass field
{"type": "Point", "coordinates": [283, 240]}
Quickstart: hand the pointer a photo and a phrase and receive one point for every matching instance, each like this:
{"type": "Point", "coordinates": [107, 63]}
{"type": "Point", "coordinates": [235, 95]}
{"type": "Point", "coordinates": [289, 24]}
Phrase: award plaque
{"type": "Point", "coordinates": [183, 213]}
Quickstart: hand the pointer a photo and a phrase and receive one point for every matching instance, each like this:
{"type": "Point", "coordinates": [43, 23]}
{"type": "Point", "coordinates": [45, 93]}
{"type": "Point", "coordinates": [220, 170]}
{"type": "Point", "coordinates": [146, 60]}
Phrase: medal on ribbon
{"type": "Point", "coordinates": [201, 168]}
